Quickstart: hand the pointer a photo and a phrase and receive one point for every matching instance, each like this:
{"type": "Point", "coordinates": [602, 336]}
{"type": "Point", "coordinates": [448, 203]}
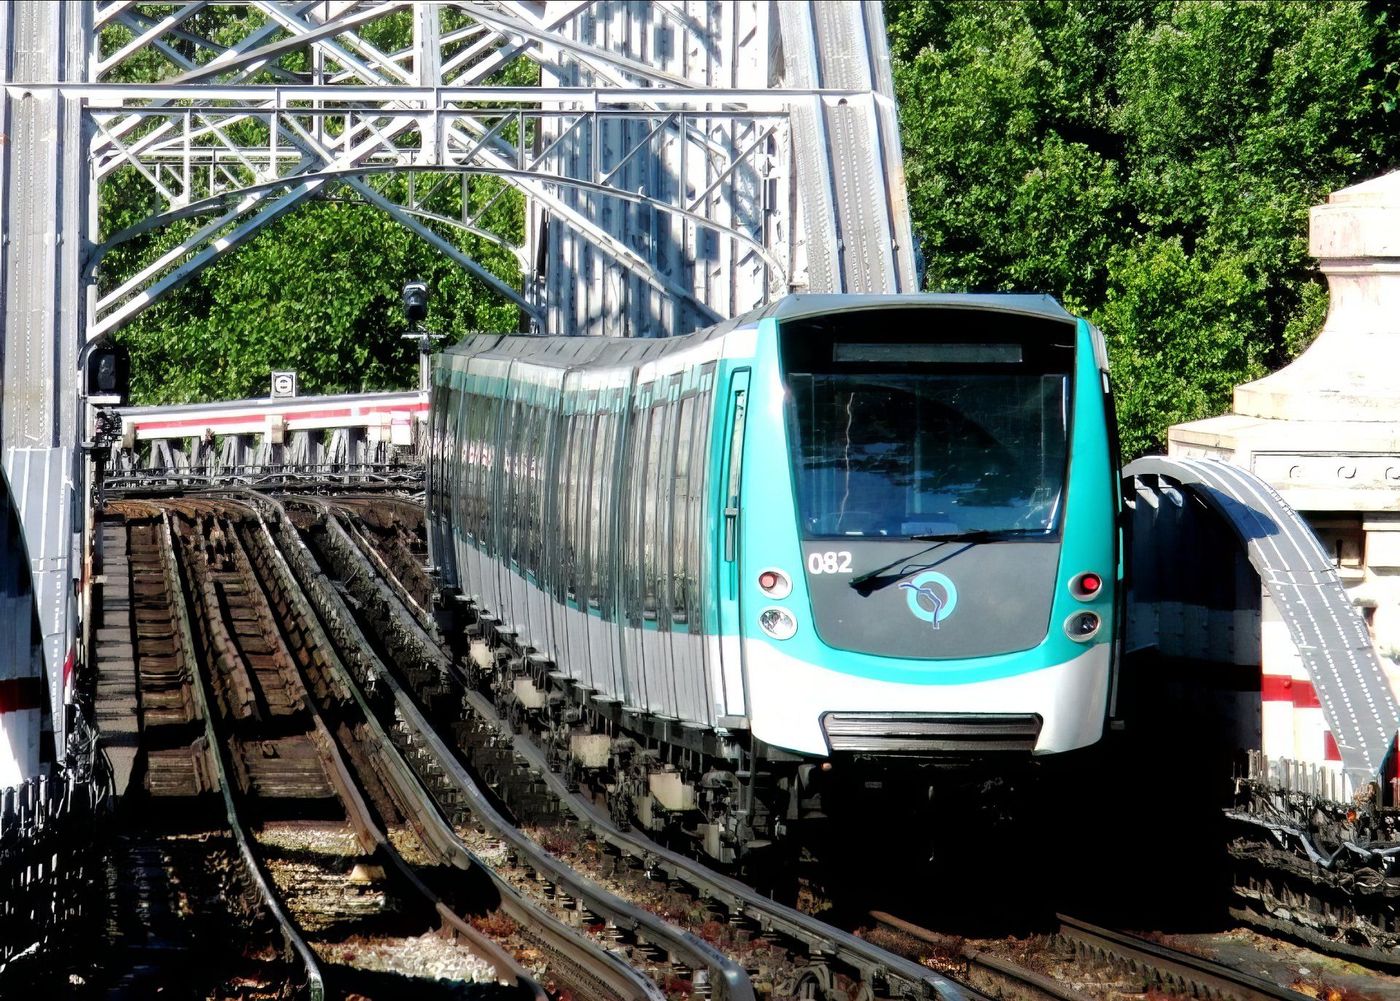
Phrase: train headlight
{"type": "Point", "coordinates": [1082, 626]}
{"type": "Point", "coordinates": [774, 583]}
{"type": "Point", "coordinates": [777, 623]}
{"type": "Point", "coordinates": [1086, 586]}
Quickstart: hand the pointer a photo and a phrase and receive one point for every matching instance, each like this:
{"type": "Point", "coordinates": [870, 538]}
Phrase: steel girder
{"type": "Point", "coordinates": [663, 177]}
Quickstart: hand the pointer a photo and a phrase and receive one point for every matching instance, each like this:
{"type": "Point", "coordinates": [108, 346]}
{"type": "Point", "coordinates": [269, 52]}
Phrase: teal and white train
{"type": "Point", "coordinates": [835, 536]}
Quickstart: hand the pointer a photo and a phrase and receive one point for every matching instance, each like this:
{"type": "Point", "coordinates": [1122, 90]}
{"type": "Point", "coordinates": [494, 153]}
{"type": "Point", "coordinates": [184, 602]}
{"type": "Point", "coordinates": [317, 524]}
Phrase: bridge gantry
{"type": "Point", "coordinates": [676, 162]}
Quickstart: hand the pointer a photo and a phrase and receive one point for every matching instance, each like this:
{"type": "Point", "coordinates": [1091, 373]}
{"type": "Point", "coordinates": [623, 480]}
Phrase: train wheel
{"type": "Point", "coordinates": [814, 984]}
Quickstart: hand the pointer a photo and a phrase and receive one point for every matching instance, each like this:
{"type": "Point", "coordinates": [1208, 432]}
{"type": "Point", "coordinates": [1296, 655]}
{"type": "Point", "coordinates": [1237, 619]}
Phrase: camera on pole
{"type": "Point", "coordinates": [415, 308]}
{"type": "Point", "coordinates": [415, 302]}
{"type": "Point", "coordinates": [108, 374]}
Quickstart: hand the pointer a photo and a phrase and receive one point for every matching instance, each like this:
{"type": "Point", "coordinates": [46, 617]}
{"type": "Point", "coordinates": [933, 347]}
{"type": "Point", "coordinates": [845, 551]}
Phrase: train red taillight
{"type": "Point", "coordinates": [774, 583]}
{"type": "Point", "coordinates": [1086, 585]}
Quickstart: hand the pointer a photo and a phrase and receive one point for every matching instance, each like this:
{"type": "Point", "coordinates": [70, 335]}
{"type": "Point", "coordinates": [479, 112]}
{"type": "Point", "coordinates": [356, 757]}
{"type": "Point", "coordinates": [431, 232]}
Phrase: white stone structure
{"type": "Point", "coordinates": [1325, 430]}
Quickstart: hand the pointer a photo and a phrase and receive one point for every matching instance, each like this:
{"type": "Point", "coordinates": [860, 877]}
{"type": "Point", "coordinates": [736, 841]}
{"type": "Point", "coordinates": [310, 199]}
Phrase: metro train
{"type": "Point", "coordinates": [751, 573]}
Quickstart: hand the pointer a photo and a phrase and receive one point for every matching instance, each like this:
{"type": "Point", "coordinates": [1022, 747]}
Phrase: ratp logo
{"type": "Point", "coordinates": [932, 596]}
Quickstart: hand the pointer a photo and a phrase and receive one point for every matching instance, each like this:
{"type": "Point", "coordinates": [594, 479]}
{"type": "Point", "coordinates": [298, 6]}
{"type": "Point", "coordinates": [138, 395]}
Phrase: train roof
{"type": "Point", "coordinates": [803, 305]}
{"type": "Point", "coordinates": [570, 351]}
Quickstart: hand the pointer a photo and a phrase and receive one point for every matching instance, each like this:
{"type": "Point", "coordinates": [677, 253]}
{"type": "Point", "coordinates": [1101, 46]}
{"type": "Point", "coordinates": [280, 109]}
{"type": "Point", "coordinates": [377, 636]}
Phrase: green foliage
{"type": "Point", "coordinates": [1150, 163]}
{"type": "Point", "coordinates": [318, 293]}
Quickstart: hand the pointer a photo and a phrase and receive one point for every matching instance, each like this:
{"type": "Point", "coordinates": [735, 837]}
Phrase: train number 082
{"type": "Point", "coordinates": [830, 561]}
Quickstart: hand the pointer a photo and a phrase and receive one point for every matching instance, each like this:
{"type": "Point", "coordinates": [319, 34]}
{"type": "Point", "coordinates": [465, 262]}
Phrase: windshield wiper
{"type": "Point", "coordinates": [872, 580]}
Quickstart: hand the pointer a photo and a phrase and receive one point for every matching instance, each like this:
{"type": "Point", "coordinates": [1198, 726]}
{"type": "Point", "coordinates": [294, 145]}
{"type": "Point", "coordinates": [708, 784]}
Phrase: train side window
{"type": "Point", "coordinates": [473, 478]}
{"type": "Point", "coordinates": [604, 539]}
{"type": "Point", "coordinates": [524, 487]}
{"type": "Point", "coordinates": [466, 419]}
{"type": "Point", "coordinates": [513, 482]}
{"type": "Point", "coordinates": [561, 554]}
{"type": "Point", "coordinates": [593, 525]}
{"type": "Point", "coordinates": [698, 538]}
{"type": "Point", "coordinates": [447, 443]}
{"type": "Point", "coordinates": [538, 493]}
{"type": "Point", "coordinates": [492, 470]}
{"type": "Point", "coordinates": [683, 523]}
{"type": "Point", "coordinates": [575, 517]}
{"type": "Point", "coordinates": [487, 455]}
{"type": "Point", "coordinates": [629, 558]}
{"type": "Point", "coordinates": [654, 475]}
{"type": "Point", "coordinates": [473, 433]}
{"type": "Point", "coordinates": [530, 488]}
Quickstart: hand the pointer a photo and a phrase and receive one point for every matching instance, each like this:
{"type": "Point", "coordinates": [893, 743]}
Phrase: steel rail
{"type": "Point", "coordinates": [728, 977]}
{"type": "Point", "coordinates": [372, 837]}
{"type": "Point", "coordinates": [997, 966]}
{"type": "Point", "coordinates": [223, 767]}
{"type": "Point", "coordinates": [598, 963]}
{"type": "Point", "coordinates": [874, 965]}
{"type": "Point", "coordinates": [1203, 977]}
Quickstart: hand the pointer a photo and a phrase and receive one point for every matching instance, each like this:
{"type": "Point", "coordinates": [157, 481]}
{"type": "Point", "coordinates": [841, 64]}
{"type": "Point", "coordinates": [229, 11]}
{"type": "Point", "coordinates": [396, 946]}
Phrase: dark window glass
{"type": "Point", "coordinates": [909, 454]}
{"type": "Point", "coordinates": [597, 527]}
{"type": "Point", "coordinates": [492, 469]}
{"type": "Point", "coordinates": [684, 511]}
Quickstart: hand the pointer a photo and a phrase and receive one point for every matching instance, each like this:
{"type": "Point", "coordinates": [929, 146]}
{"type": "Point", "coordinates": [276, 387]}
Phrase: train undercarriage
{"type": "Point", "coordinates": [725, 795]}
{"type": "Point", "coordinates": [684, 785]}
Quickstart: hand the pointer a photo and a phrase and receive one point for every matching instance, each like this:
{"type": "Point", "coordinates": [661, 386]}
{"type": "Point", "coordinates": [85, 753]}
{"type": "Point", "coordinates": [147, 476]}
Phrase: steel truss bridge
{"type": "Point", "coordinates": [668, 164]}
{"type": "Point", "coordinates": [649, 168]}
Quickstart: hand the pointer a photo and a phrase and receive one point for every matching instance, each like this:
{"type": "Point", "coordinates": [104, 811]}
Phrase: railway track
{"type": "Point", "coordinates": [354, 899]}
{"type": "Point", "coordinates": [583, 967]}
{"type": "Point", "coordinates": [234, 669]}
{"type": "Point", "coordinates": [190, 908]}
{"type": "Point", "coordinates": [1139, 965]}
{"type": "Point", "coordinates": [301, 727]}
{"type": "Point", "coordinates": [1171, 970]}
{"type": "Point", "coordinates": [680, 963]}
{"type": "Point", "coordinates": [830, 962]}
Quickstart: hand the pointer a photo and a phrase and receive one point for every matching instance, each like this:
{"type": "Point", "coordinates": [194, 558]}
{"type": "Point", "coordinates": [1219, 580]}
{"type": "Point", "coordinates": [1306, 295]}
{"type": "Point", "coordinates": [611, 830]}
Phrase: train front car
{"type": "Point", "coordinates": [747, 575]}
{"type": "Point", "coordinates": [929, 554]}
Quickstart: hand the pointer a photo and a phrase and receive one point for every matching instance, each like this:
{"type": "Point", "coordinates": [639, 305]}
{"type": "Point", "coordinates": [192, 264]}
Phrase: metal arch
{"type": "Point", "coordinates": [351, 174]}
{"type": "Point", "coordinates": [321, 158]}
{"type": "Point", "coordinates": [1332, 639]}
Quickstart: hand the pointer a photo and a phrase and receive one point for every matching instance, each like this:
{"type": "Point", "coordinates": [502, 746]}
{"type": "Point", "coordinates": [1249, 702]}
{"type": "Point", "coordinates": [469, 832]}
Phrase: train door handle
{"type": "Point", "coordinates": [731, 523]}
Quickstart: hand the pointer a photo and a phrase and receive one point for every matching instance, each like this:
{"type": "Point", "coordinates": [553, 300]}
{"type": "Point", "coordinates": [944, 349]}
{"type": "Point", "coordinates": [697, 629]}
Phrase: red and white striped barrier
{"type": "Point", "coordinates": [391, 413]}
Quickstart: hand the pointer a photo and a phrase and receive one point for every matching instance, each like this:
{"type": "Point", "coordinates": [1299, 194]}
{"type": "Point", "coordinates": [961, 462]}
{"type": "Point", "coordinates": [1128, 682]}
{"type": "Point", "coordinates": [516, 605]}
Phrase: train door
{"type": "Point", "coordinates": [729, 552]}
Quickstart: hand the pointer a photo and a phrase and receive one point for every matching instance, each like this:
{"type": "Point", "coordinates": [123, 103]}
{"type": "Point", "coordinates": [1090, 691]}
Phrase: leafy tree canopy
{"type": "Point", "coordinates": [1149, 162]}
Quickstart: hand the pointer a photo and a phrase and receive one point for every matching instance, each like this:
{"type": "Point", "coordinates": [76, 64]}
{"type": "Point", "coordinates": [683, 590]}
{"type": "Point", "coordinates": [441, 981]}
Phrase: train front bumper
{"type": "Point", "coordinates": [809, 709]}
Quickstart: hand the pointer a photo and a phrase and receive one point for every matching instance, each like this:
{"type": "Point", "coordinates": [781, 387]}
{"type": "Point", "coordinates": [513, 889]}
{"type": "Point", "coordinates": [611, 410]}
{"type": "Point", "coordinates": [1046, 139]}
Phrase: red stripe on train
{"type": "Point", "coordinates": [1330, 750]}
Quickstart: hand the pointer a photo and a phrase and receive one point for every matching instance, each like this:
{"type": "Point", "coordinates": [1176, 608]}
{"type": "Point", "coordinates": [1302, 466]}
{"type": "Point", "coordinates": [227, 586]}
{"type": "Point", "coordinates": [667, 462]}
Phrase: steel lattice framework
{"type": "Point", "coordinates": [679, 161]}
{"type": "Point", "coordinates": [657, 158]}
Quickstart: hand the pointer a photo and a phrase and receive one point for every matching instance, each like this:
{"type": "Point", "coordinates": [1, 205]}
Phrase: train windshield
{"type": "Point", "coordinates": [949, 443]}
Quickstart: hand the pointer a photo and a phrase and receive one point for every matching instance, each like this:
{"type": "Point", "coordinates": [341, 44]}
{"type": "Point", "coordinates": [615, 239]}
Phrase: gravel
{"type": "Point", "coordinates": [428, 955]}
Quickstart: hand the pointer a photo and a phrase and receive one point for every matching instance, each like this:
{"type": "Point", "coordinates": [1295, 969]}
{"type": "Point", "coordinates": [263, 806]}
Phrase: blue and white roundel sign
{"type": "Point", "coordinates": [931, 595]}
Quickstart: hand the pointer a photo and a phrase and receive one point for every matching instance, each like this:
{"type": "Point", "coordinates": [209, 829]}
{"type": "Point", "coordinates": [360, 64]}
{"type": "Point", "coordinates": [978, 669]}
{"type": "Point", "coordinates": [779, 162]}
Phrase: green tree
{"type": "Point", "coordinates": [1150, 163]}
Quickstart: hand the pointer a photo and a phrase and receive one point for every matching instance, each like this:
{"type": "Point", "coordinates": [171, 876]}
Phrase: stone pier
{"type": "Point", "coordinates": [1325, 430]}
